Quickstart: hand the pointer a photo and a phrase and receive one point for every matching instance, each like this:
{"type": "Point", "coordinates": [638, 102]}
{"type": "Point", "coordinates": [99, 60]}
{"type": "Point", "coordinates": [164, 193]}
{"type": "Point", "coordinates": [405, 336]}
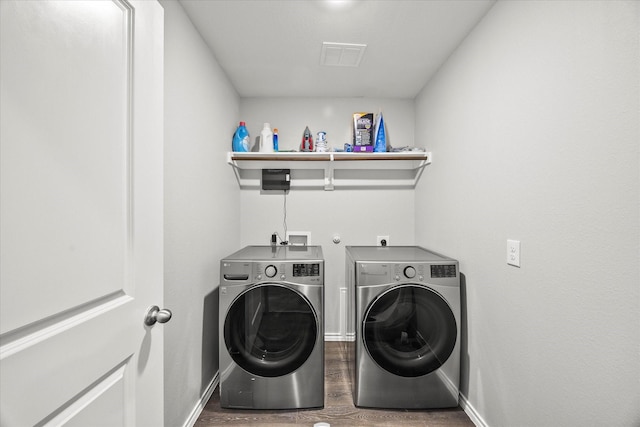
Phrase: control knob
{"type": "Point", "coordinates": [270, 271]}
{"type": "Point", "coordinates": [410, 272]}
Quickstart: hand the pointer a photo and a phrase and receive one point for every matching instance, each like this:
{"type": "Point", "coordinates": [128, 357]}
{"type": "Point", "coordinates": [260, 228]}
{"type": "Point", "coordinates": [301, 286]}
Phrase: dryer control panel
{"type": "Point", "coordinates": [419, 272]}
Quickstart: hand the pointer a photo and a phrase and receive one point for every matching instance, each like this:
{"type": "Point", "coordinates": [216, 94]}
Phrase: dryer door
{"type": "Point", "coordinates": [270, 330]}
{"type": "Point", "coordinates": [409, 330]}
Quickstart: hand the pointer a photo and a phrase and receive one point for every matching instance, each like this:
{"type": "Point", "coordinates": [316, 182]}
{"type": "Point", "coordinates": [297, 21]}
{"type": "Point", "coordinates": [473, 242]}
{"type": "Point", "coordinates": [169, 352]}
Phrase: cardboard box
{"type": "Point", "coordinates": [363, 132]}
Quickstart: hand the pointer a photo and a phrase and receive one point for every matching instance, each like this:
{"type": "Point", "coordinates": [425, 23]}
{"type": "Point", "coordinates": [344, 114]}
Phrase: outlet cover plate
{"type": "Point", "coordinates": [513, 252]}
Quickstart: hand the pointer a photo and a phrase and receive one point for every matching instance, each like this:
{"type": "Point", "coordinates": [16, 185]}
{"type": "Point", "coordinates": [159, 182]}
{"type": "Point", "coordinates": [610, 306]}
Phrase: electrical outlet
{"type": "Point", "coordinates": [382, 241]}
{"type": "Point", "coordinates": [513, 252]}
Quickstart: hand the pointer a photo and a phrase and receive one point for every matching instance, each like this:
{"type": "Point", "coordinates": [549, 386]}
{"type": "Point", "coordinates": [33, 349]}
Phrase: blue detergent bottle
{"type": "Point", "coordinates": [241, 139]}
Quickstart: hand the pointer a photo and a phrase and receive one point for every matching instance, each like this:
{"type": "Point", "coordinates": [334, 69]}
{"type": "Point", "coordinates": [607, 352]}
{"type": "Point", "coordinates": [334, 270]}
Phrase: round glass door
{"type": "Point", "coordinates": [410, 331]}
{"type": "Point", "coordinates": [270, 330]}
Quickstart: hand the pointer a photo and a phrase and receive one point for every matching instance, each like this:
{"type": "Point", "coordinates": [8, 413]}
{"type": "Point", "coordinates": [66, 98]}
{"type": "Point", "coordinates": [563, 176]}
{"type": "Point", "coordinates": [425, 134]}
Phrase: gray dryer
{"type": "Point", "coordinates": [406, 320]}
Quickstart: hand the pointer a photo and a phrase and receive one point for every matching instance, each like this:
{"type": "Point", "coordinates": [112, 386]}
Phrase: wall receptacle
{"type": "Point", "coordinates": [513, 252]}
{"type": "Point", "coordinates": [382, 241]}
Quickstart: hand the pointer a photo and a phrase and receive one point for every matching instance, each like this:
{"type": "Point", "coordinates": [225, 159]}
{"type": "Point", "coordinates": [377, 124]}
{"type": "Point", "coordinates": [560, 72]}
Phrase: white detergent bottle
{"type": "Point", "coordinates": [266, 139]}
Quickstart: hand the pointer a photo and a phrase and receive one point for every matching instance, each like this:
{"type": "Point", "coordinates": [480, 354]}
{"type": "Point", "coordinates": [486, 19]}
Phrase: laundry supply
{"type": "Point", "coordinates": [266, 139]}
{"type": "Point", "coordinates": [380, 143]}
{"type": "Point", "coordinates": [275, 139]}
{"type": "Point", "coordinates": [307, 140]}
{"type": "Point", "coordinates": [321, 142]}
{"type": "Point", "coordinates": [241, 138]}
{"type": "Point", "coordinates": [362, 132]}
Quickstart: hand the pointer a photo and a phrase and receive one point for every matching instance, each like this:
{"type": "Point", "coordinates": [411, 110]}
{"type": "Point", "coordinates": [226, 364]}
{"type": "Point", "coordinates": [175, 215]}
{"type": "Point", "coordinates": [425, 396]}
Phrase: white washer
{"type": "Point", "coordinates": [406, 321]}
{"type": "Point", "coordinates": [271, 328]}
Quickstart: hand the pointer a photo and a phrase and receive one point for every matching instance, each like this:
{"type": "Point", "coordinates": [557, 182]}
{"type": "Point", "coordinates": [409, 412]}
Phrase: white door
{"type": "Point", "coordinates": [81, 120]}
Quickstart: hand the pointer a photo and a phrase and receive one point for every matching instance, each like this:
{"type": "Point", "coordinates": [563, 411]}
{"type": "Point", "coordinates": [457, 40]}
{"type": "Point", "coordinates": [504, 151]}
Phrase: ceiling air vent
{"type": "Point", "coordinates": [342, 54]}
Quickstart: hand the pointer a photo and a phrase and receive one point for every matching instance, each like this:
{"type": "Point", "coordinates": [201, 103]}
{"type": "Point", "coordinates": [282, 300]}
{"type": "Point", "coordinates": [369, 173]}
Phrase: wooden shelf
{"type": "Point", "coordinates": [330, 170]}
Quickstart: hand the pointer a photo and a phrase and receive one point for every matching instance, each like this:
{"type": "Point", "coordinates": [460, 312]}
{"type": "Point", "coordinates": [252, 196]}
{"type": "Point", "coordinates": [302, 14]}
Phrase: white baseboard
{"type": "Point", "coordinates": [471, 412]}
{"type": "Point", "coordinates": [334, 336]}
{"type": "Point", "coordinates": [200, 404]}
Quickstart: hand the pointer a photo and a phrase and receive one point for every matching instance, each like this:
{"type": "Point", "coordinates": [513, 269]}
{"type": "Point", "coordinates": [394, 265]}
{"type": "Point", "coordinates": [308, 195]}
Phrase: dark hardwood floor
{"type": "Point", "coordinates": [338, 411]}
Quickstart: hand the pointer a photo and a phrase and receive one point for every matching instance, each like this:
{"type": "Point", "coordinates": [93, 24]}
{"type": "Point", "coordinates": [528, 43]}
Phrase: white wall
{"type": "Point", "coordinates": [357, 216]}
{"type": "Point", "coordinates": [201, 209]}
{"type": "Point", "coordinates": [534, 128]}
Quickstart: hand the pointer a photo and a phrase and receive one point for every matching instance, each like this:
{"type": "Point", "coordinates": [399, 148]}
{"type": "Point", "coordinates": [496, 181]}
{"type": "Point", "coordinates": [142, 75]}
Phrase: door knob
{"type": "Point", "coordinates": [154, 314]}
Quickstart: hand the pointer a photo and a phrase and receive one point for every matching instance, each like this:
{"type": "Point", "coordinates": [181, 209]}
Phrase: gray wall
{"type": "Point", "coordinates": [201, 209]}
{"type": "Point", "coordinates": [534, 127]}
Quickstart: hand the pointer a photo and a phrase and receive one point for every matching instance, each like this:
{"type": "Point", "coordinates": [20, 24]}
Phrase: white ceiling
{"type": "Point", "coordinates": [272, 48]}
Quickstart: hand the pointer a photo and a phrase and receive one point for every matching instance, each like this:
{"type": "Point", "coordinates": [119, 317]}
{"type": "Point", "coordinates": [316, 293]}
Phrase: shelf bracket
{"type": "Point", "coordinates": [420, 168]}
{"type": "Point", "coordinates": [234, 166]}
{"type": "Point", "coordinates": [329, 174]}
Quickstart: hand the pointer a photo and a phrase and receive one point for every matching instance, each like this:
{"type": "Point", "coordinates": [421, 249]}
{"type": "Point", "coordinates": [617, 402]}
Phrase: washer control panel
{"type": "Point", "coordinates": [298, 272]}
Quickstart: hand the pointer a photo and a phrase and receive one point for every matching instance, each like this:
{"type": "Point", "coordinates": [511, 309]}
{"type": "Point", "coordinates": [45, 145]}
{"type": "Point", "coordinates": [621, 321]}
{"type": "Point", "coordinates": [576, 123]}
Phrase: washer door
{"type": "Point", "coordinates": [270, 330]}
{"type": "Point", "coordinates": [409, 330]}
